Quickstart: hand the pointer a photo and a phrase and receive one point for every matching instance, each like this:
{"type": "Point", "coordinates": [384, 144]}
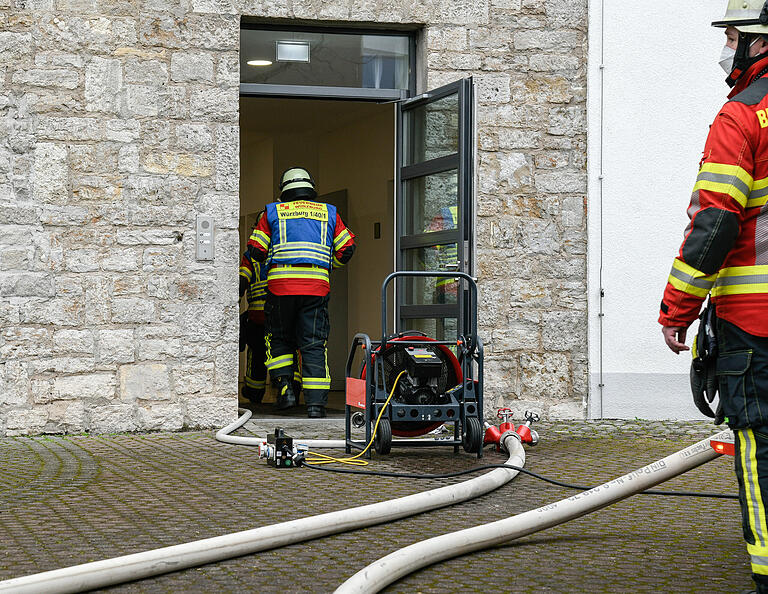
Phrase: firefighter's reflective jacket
{"type": "Point", "coordinates": [725, 249]}
{"type": "Point", "coordinates": [255, 275]}
{"type": "Point", "coordinates": [448, 255]}
{"type": "Point", "coordinates": [303, 240]}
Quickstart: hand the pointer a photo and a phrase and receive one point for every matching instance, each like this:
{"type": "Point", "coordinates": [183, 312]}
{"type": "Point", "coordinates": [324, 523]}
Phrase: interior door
{"type": "Point", "coordinates": [434, 183]}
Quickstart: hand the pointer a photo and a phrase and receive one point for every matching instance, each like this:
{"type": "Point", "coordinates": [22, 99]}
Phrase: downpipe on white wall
{"type": "Point", "coordinates": [394, 566]}
{"type": "Point", "coordinates": [108, 572]}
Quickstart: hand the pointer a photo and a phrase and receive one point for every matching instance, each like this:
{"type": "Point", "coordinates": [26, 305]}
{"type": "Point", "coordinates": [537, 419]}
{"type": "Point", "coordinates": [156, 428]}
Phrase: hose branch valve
{"type": "Point", "coordinates": [505, 414]}
{"type": "Point", "coordinates": [528, 435]}
{"type": "Point", "coordinates": [506, 427]}
{"type": "Point", "coordinates": [492, 435]}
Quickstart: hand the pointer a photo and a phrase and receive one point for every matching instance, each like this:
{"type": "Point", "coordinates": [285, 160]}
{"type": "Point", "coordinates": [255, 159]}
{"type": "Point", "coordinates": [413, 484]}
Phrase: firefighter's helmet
{"type": "Point", "coordinates": [748, 16]}
{"type": "Point", "coordinates": [296, 182]}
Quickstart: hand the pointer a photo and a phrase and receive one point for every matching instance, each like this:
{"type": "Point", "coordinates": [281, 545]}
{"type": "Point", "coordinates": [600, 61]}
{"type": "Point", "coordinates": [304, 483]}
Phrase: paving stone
{"type": "Point", "coordinates": [72, 499]}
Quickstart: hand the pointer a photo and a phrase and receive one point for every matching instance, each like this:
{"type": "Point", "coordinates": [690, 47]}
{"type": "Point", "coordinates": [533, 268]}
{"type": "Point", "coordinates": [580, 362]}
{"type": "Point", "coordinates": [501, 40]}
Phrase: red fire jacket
{"type": "Point", "coordinates": [725, 250]}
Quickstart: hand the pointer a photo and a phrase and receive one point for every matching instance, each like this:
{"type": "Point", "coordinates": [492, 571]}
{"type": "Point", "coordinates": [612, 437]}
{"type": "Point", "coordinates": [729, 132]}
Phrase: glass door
{"type": "Point", "coordinates": [434, 185]}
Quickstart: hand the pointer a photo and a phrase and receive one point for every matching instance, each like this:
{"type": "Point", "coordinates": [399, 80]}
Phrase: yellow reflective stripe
{"type": "Point", "coordinates": [740, 289]}
{"type": "Point", "coordinates": [319, 383]}
{"type": "Point", "coordinates": [261, 238]}
{"type": "Point", "coordinates": [281, 272]}
{"type": "Point", "coordinates": [279, 362]}
{"type": "Point", "coordinates": [687, 287]}
{"type": "Point", "coordinates": [341, 239]}
{"type": "Point", "coordinates": [759, 194]}
{"type": "Point", "coordinates": [728, 170]}
{"type": "Point", "coordinates": [741, 280]}
{"type": "Point", "coordinates": [337, 263]}
{"type": "Point", "coordinates": [754, 507]}
{"type": "Point", "coordinates": [761, 269]}
{"type": "Point", "coordinates": [299, 253]}
{"type": "Point", "coordinates": [721, 188]}
{"type": "Point", "coordinates": [256, 384]}
{"type": "Point", "coordinates": [306, 245]}
{"type": "Point", "coordinates": [725, 179]}
{"type": "Point", "coordinates": [246, 272]}
{"type": "Point", "coordinates": [687, 279]}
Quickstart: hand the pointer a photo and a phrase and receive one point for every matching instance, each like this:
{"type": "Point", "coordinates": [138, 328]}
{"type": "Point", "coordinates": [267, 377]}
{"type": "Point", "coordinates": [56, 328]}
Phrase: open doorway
{"type": "Point", "coordinates": [348, 146]}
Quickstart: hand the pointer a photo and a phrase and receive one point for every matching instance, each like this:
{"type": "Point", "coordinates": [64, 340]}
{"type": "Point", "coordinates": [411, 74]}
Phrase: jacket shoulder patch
{"type": "Point", "coordinates": [754, 93]}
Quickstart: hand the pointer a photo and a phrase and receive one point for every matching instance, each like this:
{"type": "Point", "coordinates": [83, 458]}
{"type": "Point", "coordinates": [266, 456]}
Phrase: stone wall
{"type": "Point", "coordinates": [119, 124]}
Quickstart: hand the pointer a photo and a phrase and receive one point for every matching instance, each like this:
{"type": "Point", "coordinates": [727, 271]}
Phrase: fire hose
{"type": "Point", "coordinates": [117, 570]}
{"type": "Point", "coordinates": [398, 564]}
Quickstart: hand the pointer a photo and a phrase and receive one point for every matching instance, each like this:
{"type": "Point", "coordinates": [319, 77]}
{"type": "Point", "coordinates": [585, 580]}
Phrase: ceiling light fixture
{"type": "Point", "coordinates": [292, 51]}
{"type": "Point", "coordinates": [259, 63]}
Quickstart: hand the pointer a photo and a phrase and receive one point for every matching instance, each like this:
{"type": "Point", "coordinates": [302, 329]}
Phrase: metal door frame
{"type": "Point", "coordinates": [463, 161]}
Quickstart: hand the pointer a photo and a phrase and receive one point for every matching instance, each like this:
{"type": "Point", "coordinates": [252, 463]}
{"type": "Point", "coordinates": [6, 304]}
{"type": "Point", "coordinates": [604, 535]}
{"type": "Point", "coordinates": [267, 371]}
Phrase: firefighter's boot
{"type": "Point", "coordinates": [285, 396]}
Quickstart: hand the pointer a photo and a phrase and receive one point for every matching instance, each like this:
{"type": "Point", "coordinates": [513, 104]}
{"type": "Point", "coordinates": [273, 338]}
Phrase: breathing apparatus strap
{"type": "Point", "coordinates": [741, 60]}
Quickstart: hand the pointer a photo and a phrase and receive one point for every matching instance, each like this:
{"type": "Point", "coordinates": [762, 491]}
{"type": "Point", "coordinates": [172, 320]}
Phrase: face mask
{"type": "Point", "coordinates": [726, 59]}
{"type": "Point", "coordinates": [728, 54]}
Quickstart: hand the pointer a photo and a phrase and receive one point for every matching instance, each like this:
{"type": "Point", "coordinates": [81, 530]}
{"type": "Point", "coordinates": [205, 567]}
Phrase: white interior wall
{"type": "Point", "coordinates": [649, 109]}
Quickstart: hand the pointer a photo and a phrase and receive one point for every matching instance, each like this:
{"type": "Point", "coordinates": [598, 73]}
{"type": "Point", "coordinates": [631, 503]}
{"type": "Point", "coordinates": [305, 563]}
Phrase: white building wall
{"type": "Point", "coordinates": [654, 86]}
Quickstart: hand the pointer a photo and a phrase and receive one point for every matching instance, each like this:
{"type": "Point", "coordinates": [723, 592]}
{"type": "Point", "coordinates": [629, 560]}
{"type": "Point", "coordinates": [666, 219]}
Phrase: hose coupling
{"type": "Point", "coordinates": [528, 435]}
{"type": "Point", "coordinates": [506, 435]}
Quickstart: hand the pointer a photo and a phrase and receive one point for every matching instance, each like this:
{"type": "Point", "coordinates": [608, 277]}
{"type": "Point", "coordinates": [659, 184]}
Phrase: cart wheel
{"type": "Point", "coordinates": [382, 443]}
{"type": "Point", "coordinates": [472, 435]}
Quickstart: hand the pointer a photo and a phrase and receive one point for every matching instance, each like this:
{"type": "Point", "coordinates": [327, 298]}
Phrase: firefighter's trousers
{"type": "Point", "coordinates": [742, 369]}
{"type": "Point", "coordinates": [255, 356]}
{"type": "Point", "coordinates": [299, 322]}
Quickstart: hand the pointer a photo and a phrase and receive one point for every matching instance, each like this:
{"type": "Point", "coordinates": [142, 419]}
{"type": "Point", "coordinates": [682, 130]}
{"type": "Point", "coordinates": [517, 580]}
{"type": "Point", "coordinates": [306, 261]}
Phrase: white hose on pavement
{"type": "Point", "coordinates": [394, 566]}
{"type": "Point", "coordinates": [118, 570]}
{"type": "Point", "coordinates": [223, 435]}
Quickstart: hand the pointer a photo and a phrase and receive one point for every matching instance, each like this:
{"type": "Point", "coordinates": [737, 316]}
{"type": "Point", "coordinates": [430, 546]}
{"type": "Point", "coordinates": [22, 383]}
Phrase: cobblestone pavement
{"type": "Point", "coordinates": [74, 499]}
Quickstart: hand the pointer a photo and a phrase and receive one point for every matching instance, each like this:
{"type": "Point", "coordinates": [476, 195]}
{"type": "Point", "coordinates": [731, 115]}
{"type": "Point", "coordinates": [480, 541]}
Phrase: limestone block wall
{"type": "Point", "coordinates": [119, 124]}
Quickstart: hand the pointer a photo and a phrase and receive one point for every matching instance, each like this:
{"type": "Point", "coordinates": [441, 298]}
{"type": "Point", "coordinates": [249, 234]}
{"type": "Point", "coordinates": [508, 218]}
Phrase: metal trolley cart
{"type": "Point", "coordinates": [430, 385]}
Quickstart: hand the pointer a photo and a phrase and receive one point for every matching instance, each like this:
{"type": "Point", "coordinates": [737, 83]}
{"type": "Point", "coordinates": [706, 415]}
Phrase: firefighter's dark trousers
{"type": "Point", "coordinates": [255, 356]}
{"type": "Point", "coordinates": [742, 369]}
{"type": "Point", "coordinates": [299, 322]}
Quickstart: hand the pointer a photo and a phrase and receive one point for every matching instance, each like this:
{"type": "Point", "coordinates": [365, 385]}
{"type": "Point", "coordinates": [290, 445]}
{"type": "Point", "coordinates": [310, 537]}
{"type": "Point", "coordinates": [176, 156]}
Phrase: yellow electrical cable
{"type": "Point", "coordinates": [353, 461]}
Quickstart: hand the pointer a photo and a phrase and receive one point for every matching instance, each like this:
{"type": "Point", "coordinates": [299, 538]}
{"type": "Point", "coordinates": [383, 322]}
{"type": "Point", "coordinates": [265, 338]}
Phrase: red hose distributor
{"type": "Point", "coordinates": [492, 435]}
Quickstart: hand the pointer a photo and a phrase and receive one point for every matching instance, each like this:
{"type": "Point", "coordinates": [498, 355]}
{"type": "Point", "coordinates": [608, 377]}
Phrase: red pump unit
{"type": "Point", "coordinates": [432, 382]}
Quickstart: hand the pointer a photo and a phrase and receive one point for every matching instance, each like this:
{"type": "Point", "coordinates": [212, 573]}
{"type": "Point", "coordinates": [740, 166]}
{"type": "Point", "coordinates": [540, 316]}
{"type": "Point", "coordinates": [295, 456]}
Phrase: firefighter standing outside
{"type": "Point", "coordinates": [725, 254]}
{"type": "Point", "coordinates": [303, 241]}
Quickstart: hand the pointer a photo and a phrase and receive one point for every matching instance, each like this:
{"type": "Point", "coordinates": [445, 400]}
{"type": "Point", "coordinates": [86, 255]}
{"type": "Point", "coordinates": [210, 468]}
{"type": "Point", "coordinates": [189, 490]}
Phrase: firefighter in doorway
{"type": "Point", "coordinates": [302, 240]}
{"type": "Point", "coordinates": [724, 254]}
{"type": "Point", "coordinates": [253, 284]}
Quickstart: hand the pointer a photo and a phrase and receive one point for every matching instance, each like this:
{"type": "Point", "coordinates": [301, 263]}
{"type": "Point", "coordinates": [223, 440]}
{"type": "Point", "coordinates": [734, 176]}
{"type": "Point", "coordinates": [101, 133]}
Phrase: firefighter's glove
{"type": "Point", "coordinates": [243, 334]}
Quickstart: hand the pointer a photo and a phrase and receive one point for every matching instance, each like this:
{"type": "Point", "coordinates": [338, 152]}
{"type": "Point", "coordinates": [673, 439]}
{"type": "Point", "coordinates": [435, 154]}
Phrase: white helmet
{"type": "Point", "coordinates": [748, 16]}
{"type": "Point", "coordinates": [296, 182]}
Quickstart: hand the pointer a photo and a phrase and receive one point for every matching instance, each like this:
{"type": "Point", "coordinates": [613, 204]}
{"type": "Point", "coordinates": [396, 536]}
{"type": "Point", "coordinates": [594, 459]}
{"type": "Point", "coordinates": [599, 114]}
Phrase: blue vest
{"type": "Point", "coordinates": [302, 232]}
